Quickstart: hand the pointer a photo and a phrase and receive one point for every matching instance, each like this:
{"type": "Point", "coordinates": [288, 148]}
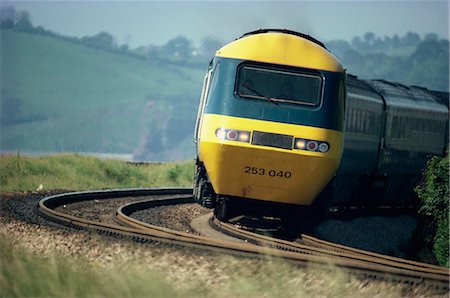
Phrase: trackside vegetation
{"type": "Point", "coordinates": [434, 195]}
{"type": "Point", "coordinates": [27, 274]}
{"type": "Point", "coordinates": [78, 172]}
{"type": "Point", "coordinates": [24, 274]}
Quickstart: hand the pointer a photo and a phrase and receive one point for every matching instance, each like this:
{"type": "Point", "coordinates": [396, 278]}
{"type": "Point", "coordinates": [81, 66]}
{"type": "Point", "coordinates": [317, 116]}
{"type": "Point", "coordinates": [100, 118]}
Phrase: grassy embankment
{"type": "Point", "coordinates": [23, 274]}
{"type": "Point", "coordinates": [75, 172]}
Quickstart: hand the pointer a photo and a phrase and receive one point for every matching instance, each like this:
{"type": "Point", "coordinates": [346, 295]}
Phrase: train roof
{"type": "Point", "coordinates": [281, 46]}
{"type": "Point", "coordinates": [286, 31]}
{"type": "Point", "coordinates": [442, 96]}
{"type": "Point", "coordinates": [396, 94]}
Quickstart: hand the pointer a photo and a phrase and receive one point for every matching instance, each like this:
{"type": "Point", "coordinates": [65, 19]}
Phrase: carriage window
{"type": "Point", "coordinates": [279, 85]}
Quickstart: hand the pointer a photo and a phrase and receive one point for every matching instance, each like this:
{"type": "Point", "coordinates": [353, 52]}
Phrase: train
{"type": "Point", "coordinates": [283, 131]}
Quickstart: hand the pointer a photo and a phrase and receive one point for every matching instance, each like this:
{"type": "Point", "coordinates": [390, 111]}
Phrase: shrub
{"type": "Point", "coordinates": [433, 192]}
{"type": "Point", "coordinates": [174, 173]}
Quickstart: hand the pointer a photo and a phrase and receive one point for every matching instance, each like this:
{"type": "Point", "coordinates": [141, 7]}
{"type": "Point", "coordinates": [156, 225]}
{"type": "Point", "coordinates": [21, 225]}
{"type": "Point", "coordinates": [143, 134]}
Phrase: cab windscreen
{"type": "Point", "coordinates": [279, 85]}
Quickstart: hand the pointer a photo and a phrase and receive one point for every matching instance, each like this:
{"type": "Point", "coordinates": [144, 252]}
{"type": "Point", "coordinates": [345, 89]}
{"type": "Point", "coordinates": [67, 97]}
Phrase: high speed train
{"type": "Point", "coordinates": [283, 131]}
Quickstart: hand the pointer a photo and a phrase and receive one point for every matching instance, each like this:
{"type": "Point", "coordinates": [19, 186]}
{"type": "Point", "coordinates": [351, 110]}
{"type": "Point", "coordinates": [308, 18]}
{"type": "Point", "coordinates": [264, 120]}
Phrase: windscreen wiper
{"type": "Point", "coordinates": [269, 99]}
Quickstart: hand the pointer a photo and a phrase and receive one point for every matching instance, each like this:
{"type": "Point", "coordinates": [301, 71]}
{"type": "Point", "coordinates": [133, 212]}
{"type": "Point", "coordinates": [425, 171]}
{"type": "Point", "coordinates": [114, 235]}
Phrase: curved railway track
{"type": "Point", "coordinates": [308, 252]}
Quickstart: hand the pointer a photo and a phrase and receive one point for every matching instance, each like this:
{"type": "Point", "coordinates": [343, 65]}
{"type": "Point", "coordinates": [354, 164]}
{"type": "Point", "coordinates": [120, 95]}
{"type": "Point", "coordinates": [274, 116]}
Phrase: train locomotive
{"type": "Point", "coordinates": [270, 131]}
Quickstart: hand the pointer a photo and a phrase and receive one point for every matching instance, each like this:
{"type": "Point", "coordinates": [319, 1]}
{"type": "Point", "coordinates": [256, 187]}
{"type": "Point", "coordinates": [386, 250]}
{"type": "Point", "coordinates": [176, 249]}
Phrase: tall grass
{"type": "Point", "coordinates": [23, 274]}
{"type": "Point", "coordinates": [76, 172]}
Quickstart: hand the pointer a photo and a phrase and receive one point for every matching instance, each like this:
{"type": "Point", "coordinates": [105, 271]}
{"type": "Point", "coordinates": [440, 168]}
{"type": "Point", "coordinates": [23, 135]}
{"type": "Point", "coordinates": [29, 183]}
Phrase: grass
{"type": "Point", "coordinates": [24, 274]}
{"type": "Point", "coordinates": [77, 172]}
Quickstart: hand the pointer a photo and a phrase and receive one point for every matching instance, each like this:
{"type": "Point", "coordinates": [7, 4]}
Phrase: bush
{"type": "Point", "coordinates": [180, 172]}
{"type": "Point", "coordinates": [434, 195]}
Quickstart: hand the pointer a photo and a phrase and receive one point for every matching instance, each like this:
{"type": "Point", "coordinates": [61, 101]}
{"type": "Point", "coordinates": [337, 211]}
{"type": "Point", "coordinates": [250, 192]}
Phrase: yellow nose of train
{"type": "Point", "coordinates": [270, 118]}
{"type": "Point", "coordinates": [293, 172]}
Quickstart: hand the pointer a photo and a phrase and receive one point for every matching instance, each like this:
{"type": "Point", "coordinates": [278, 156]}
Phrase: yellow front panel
{"type": "Point", "coordinates": [283, 49]}
{"type": "Point", "coordinates": [266, 173]}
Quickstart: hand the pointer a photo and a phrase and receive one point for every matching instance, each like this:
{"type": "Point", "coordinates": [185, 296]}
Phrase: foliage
{"type": "Point", "coordinates": [408, 59]}
{"type": "Point", "coordinates": [180, 173]}
{"type": "Point", "coordinates": [76, 172]}
{"type": "Point", "coordinates": [27, 275]}
{"type": "Point", "coordinates": [434, 195]}
{"type": "Point", "coordinates": [102, 40]}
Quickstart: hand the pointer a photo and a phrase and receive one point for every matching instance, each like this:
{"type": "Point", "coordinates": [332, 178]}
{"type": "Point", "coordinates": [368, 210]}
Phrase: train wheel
{"type": "Point", "coordinates": [222, 210]}
{"type": "Point", "coordinates": [319, 210]}
{"type": "Point", "coordinates": [292, 221]}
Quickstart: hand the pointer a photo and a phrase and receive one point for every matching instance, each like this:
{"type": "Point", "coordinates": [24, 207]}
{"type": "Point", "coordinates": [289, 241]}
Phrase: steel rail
{"type": "Point", "coordinates": [309, 244]}
{"type": "Point", "coordinates": [312, 241]}
{"type": "Point", "coordinates": [144, 232]}
{"type": "Point", "coordinates": [319, 248]}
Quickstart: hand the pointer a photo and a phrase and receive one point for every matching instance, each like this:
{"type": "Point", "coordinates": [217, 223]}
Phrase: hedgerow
{"type": "Point", "coordinates": [433, 192]}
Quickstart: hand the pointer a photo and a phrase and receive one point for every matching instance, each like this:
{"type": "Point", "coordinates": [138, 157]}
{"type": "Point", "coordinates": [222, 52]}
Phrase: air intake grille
{"type": "Point", "coordinates": [272, 140]}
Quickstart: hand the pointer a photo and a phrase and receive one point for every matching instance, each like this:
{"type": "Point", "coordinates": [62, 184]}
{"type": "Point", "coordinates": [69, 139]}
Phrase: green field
{"type": "Point", "coordinates": [59, 95]}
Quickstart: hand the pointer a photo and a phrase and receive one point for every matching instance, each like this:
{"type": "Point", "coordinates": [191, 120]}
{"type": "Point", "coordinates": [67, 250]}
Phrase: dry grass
{"type": "Point", "coordinates": [43, 261]}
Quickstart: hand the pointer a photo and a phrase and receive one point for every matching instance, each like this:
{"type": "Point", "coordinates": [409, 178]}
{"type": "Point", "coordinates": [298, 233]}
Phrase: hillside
{"type": "Point", "coordinates": [58, 95]}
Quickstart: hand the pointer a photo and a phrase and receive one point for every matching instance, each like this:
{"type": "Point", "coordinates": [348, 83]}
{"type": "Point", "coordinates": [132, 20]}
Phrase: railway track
{"type": "Point", "coordinates": [309, 251]}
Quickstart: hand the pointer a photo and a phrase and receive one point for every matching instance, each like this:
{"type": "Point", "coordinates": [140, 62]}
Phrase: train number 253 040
{"type": "Point", "coordinates": [270, 173]}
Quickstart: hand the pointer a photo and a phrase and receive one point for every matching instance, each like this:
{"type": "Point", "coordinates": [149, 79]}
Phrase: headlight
{"type": "Point", "coordinates": [300, 144]}
{"type": "Point", "coordinates": [244, 136]}
{"type": "Point", "coordinates": [233, 135]}
{"type": "Point", "coordinates": [323, 147]}
{"type": "Point", "coordinates": [311, 145]}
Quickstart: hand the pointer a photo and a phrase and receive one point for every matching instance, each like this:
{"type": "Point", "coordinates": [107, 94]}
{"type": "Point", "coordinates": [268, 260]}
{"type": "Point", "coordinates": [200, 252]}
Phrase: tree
{"type": "Point", "coordinates": [431, 36]}
{"type": "Point", "coordinates": [411, 39]}
{"type": "Point", "coordinates": [338, 47]}
{"type": "Point", "coordinates": [8, 17]}
{"type": "Point", "coordinates": [357, 43]}
{"type": "Point", "coordinates": [395, 41]}
{"type": "Point", "coordinates": [152, 54]}
{"type": "Point", "coordinates": [102, 40]}
{"type": "Point", "coordinates": [429, 65]}
{"type": "Point", "coordinates": [369, 38]}
{"type": "Point", "coordinates": [179, 47]}
{"type": "Point", "coordinates": [24, 22]}
{"type": "Point", "coordinates": [354, 60]}
{"type": "Point", "coordinates": [209, 46]}
{"type": "Point", "coordinates": [431, 49]}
